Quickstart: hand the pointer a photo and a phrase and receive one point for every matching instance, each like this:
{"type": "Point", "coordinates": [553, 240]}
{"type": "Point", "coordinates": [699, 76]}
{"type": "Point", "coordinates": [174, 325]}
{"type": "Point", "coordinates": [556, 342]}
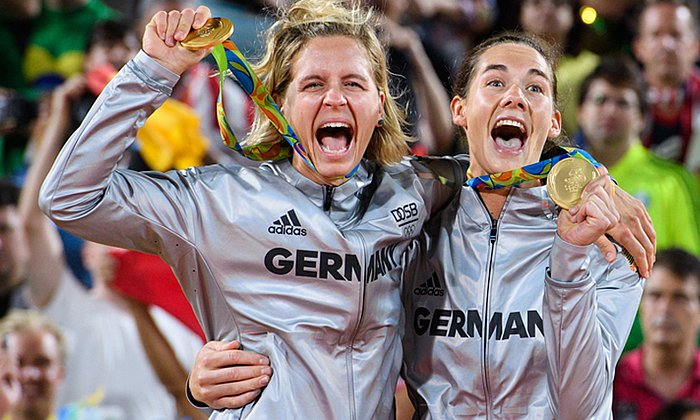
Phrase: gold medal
{"type": "Point", "coordinates": [214, 32]}
{"type": "Point", "coordinates": [567, 179]}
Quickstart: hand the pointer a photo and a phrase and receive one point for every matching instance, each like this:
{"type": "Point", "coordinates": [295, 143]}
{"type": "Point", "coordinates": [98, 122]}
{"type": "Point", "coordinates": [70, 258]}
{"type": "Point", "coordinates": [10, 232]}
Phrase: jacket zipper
{"type": "Point", "coordinates": [493, 235]}
{"type": "Point", "coordinates": [328, 191]}
{"type": "Point", "coordinates": [355, 329]}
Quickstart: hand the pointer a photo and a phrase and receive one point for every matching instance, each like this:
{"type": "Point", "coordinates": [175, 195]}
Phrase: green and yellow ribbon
{"type": "Point", "coordinates": [538, 170]}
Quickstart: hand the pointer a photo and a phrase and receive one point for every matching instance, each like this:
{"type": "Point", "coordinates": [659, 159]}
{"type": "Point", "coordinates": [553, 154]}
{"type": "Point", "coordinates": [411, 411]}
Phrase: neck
{"type": "Point", "coordinates": [495, 200]}
{"type": "Point", "coordinates": [669, 360]}
{"type": "Point", "coordinates": [667, 368]}
{"type": "Point", "coordinates": [658, 82]}
{"type": "Point", "coordinates": [610, 153]}
{"type": "Point", "coordinates": [314, 176]}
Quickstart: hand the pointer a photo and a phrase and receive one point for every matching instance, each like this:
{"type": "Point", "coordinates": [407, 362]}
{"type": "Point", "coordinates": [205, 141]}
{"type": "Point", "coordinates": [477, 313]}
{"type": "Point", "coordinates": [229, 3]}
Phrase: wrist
{"type": "Point", "coordinates": [190, 397]}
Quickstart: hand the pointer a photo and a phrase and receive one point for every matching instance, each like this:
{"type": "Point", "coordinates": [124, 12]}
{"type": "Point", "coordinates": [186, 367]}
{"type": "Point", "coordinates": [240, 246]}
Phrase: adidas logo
{"type": "Point", "coordinates": [287, 224]}
{"type": "Point", "coordinates": [431, 287]}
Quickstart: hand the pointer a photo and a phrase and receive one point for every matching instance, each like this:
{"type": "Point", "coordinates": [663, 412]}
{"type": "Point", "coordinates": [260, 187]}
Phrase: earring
{"type": "Point", "coordinates": [380, 122]}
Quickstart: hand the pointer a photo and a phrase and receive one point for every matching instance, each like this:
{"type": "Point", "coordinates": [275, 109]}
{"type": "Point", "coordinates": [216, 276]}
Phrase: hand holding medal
{"type": "Point", "coordinates": [566, 183]}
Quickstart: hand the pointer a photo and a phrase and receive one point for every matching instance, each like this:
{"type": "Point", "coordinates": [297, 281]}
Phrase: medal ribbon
{"type": "Point", "coordinates": [229, 58]}
{"type": "Point", "coordinates": [538, 170]}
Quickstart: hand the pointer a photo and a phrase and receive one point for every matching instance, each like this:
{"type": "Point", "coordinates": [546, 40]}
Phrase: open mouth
{"type": "Point", "coordinates": [334, 138]}
{"type": "Point", "coordinates": [509, 134]}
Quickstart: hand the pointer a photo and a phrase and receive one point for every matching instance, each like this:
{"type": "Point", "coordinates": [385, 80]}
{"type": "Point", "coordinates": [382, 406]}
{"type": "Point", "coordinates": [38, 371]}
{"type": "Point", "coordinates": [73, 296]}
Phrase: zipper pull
{"type": "Point", "coordinates": [327, 197]}
{"type": "Point", "coordinates": [492, 236]}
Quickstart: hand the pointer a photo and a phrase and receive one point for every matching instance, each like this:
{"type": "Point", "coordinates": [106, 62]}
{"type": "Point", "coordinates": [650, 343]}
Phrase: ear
{"type": "Point", "coordinates": [380, 111]}
{"type": "Point", "coordinates": [457, 107]}
{"type": "Point", "coordinates": [555, 129]}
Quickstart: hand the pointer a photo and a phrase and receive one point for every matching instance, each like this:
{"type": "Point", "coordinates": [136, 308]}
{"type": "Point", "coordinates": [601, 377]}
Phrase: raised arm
{"type": "Point", "coordinates": [435, 128]}
{"type": "Point", "coordinates": [84, 192]}
{"type": "Point", "coordinates": [588, 306]}
{"type": "Point", "coordinates": [47, 263]}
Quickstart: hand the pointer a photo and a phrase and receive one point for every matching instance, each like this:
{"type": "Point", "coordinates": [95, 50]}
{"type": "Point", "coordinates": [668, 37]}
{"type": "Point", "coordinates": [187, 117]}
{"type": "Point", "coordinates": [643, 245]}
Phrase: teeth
{"type": "Point", "coordinates": [333, 152]}
{"type": "Point", "coordinates": [335, 125]}
{"type": "Point", "coordinates": [512, 123]}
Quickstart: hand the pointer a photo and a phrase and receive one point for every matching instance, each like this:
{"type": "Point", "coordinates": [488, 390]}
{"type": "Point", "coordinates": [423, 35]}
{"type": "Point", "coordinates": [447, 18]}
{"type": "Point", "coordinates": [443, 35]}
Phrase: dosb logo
{"type": "Point", "coordinates": [405, 214]}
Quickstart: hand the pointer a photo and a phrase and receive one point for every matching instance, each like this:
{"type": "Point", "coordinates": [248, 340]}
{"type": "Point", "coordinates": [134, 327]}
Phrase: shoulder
{"type": "Point", "coordinates": [447, 170]}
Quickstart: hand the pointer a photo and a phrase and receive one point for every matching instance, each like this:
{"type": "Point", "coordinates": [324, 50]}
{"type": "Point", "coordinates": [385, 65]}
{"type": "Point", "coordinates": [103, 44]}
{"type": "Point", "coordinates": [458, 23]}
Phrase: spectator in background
{"type": "Point", "coordinates": [667, 365]}
{"type": "Point", "coordinates": [43, 44]}
{"type": "Point", "coordinates": [448, 29]}
{"type": "Point", "coordinates": [105, 355]}
{"type": "Point", "coordinates": [415, 83]}
{"type": "Point", "coordinates": [553, 20]}
{"type": "Point", "coordinates": [37, 348]}
{"type": "Point", "coordinates": [199, 90]}
{"type": "Point", "coordinates": [9, 384]}
{"type": "Point", "coordinates": [667, 46]}
{"type": "Point", "coordinates": [110, 46]}
{"type": "Point", "coordinates": [14, 254]}
{"type": "Point", "coordinates": [611, 117]}
{"type": "Point", "coordinates": [58, 40]}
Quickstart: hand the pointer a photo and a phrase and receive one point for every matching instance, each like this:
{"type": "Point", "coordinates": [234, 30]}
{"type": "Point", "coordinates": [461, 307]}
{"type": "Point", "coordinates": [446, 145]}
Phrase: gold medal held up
{"type": "Point", "coordinates": [214, 32]}
{"type": "Point", "coordinates": [567, 179]}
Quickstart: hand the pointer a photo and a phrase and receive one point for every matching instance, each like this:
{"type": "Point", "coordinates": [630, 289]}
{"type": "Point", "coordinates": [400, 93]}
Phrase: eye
{"type": "Point", "coordinates": [495, 83]}
{"type": "Point", "coordinates": [354, 84]}
{"type": "Point", "coordinates": [535, 88]}
{"type": "Point", "coordinates": [311, 85]}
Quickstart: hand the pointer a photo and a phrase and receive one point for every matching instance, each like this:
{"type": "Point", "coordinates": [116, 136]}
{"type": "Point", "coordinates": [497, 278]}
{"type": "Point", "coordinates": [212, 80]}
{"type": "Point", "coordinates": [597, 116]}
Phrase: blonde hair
{"type": "Point", "coordinates": [308, 19]}
{"type": "Point", "coordinates": [23, 320]}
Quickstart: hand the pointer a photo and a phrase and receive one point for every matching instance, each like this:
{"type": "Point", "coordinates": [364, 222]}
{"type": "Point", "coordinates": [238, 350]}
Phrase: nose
{"type": "Point", "coordinates": [514, 98]}
{"type": "Point", "coordinates": [334, 97]}
{"type": "Point", "coordinates": [668, 41]}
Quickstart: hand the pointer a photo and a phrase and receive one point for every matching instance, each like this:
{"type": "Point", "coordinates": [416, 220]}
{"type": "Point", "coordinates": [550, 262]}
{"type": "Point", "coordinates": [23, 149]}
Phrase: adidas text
{"type": "Point", "coordinates": [287, 230]}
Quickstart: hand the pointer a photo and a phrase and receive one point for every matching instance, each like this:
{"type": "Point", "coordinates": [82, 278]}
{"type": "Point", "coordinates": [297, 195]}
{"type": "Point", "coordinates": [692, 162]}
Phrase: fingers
{"type": "Point", "coordinates": [636, 232]}
{"type": "Point", "coordinates": [217, 354]}
{"type": "Point", "coordinates": [596, 201]}
{"type": "Point", "coordinates": [226, 377]}
{"type": "Point", "coordinates": [607, 248]}
{"type": "Point", "coordinates": [200, 17]}
{"type": "Point", "coordinates": [174, 26]}
{"type": "Point", "coordinates": [591, 218]}
{"type": "Point", "coordinates": [159, 22]}
{"type": "Point", "coordinates": [630, 241]}
{"type": "Point", "coordinates": [184, 25]}
{"type": "Point", "coordinates": [235, 401]}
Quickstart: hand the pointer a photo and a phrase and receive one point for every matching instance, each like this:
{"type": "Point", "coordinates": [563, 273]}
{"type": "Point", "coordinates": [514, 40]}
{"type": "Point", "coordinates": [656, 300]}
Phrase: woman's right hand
{"type": "Point", "coordinates": [161, 39]}
{"type": "Point", "coordinates": [224, 376]}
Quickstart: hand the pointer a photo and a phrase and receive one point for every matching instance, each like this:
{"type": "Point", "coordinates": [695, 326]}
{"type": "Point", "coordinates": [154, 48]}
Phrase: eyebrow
{"type": "Point", "coordinates": [502, 67]}
{"type": "Point", "coordinates": [346, 76]}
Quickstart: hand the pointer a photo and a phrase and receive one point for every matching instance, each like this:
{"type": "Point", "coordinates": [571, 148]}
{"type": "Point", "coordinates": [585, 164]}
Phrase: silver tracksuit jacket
{"type": "Point", "coordinates": [305, 274]}
{"type": "Point", "coordinates": [490, 335]}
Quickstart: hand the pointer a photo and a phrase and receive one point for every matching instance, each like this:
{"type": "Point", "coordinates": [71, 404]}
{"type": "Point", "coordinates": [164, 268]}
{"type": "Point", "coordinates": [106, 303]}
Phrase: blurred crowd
{"type": "Point", "coordinates": [89, 331]}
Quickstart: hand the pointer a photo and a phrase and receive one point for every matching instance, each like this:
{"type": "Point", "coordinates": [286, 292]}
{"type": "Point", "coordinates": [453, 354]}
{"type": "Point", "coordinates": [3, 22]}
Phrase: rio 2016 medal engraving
{"type": "Point", "coordinates": [567, 179]}
{"type": "Point", "coordinates": [214, 31]}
